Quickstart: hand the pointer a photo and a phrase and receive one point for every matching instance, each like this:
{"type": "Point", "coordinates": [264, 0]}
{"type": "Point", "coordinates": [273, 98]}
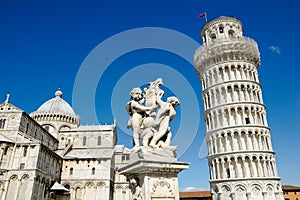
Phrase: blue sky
{"type": "Point", "coordinates": [44, 44]}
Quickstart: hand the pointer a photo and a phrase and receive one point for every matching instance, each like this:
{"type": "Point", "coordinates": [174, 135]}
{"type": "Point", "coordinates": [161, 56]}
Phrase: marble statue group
{"type": "Point", "coordinates": [150, 116]}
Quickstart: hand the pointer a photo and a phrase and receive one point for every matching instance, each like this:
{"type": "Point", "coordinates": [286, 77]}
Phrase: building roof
{"type": "Point", "coordinates": [122, 149]}
{"type": "Point", "coordinates": [56, 105]}
{"type": "Point", "coordinates": [87, 153]}
{"type": "Point", "coordinates": [192, 194]}
{"type": "Point", "coordinates": [59, 187]}
{"type": "Point", "coordinates": [99, 127]}
{"type": "Point", "coordinates": [290, 188]}
{"type": "Point", "coordinates": [4, 139]}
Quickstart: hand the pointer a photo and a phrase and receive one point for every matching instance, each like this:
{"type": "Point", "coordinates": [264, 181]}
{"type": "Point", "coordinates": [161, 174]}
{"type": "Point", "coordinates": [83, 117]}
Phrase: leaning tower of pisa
{"type": "Point", "coordinates": [240, 154]}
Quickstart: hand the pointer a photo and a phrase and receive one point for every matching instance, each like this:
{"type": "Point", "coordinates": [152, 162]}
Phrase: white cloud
{"type": "Point", "coordinates": [192, 189]}
{"type": "Point", "coordinates": [275, 49]}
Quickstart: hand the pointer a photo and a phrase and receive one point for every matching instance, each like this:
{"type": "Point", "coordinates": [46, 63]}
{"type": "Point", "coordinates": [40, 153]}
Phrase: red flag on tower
{"type": "Point", "coordinates": [203, 15]}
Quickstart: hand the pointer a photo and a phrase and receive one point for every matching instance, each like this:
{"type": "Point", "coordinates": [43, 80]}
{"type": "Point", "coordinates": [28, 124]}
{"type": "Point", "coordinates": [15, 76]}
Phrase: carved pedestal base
{"type": "Point", "coordinates": [157, 178]}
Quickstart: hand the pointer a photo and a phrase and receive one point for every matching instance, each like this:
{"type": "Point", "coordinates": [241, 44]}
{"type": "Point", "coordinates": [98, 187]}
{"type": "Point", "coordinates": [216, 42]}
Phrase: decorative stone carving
{"type": "Point", "coordinates": [162, 188]}
{"type": "Point", "coordinates": [150, 116]}
{"type": "Point", "coordinates": [136, 190]}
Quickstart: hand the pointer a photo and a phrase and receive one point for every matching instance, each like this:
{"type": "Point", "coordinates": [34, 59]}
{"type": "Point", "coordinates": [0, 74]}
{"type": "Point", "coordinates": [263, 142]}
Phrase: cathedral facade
{"type": "Point", "coordinates": [48, 153]}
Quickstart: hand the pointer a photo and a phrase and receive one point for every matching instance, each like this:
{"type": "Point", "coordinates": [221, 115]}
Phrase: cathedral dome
{"type": "Point", "coordinates": [56, 105]}
{"type": "Point", "coordinates": [56, 115]}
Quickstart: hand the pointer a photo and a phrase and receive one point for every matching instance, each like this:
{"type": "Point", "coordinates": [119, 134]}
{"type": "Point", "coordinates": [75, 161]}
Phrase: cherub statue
{"type": "Point", "coordinates": [165, 114]}
{"type": "Point", "coordinates": [147, 130]}
{"type": "Point", "coordinates": [137, 112]}
{"type": "Point", "coordinates": [137, 190]}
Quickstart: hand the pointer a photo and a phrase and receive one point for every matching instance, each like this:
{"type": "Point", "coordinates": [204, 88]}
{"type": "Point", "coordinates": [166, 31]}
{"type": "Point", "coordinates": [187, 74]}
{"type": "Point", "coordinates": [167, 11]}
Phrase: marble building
{"type": "Point", "coordinates": [240, 154]}
{"type": "Point", "coordinates": [50, 146]}
{"type": "Point", "coordinates": [29, 165]}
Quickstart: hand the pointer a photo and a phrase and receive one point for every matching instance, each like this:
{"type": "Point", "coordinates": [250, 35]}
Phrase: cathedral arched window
{"type": "Point", "coordinates": [84, 141]}
{"type": "Point", "coordinates": [77, 193]}
{"type": "Point", "coordinates": [71, 171]}
{"type": "Point", "coordinates": [27, 127]}
{"type": "Point", "coordinates": [2, 123]}
{"type": "Point", "coordinates": [5, 150]}
{"type": "Point", "coordinates": [25, 151]}
{"type": "Point", "coordinates": [99, 140]}
{"type": "Point", "coordinates": [93, 170]}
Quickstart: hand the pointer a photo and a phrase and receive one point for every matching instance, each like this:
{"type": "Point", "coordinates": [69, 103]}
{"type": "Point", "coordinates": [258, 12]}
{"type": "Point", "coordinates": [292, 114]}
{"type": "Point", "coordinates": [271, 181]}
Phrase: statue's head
{"type": "Point", "coordinates": [133, 182]}
{"type": "Point", "coordinates": [136, 94]}
{"type": "Point", "coordinates": [173, 100]}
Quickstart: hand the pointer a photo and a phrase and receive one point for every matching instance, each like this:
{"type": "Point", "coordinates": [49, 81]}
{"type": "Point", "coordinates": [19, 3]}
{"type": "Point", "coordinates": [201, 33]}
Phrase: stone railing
{"type": "Point", "coordinates": [227, 49]}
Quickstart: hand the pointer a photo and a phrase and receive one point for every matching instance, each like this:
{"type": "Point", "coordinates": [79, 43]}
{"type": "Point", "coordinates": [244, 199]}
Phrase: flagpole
{"type": "Point", "coordinates": [205, 17]}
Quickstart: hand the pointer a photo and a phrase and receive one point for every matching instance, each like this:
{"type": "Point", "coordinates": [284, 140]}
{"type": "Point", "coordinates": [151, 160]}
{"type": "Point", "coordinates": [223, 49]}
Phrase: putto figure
{"type": "Point", "coordinates": [150, 116]}
{"type": "Point", "coordinates": [137, 113]}
{"type": "Point", "coordinates": [136, 190]}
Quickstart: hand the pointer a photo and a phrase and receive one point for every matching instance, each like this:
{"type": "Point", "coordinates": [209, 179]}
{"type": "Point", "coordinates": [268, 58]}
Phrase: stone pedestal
{"type": "Point", "coordinates": [156, 172]}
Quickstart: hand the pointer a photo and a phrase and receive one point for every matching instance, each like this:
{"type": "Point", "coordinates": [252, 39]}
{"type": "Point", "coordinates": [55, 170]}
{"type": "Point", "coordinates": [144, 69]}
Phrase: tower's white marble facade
{"type": "Point", "coordinates": [240, 155]}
